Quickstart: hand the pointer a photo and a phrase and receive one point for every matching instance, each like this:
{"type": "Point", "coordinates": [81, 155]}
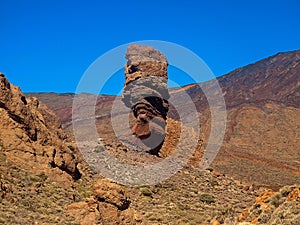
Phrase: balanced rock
{"type": "Point", "coordinates": [146, 93]}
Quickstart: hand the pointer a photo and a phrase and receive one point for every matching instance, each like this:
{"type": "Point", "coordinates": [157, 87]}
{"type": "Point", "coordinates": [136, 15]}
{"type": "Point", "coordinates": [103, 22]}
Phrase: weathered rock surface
{"type": "Point", "coordinates": [272, 208]}
{"type": "Point", "coordinates": [30, 132]}
{"type": "Point", "coordinates": [143, 61]}
{"type": "Point", "coordinates": [109, 204]}
{"type": "Point", "coordinates": [40, 182]}
{"type": "Point", "coordinates": [146, 93]}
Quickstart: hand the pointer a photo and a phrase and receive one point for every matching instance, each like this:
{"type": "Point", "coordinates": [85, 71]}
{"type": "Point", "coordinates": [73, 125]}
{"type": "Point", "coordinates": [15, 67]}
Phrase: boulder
{"type": "Point", "coordinates": [109, 204]}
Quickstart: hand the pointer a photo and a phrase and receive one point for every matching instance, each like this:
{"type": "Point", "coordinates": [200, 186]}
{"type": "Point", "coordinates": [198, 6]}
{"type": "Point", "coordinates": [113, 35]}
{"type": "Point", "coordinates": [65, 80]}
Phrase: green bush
{"type": "Point", "coordinates": [71, 147]}
{"type": "Point", "coordinates": [276, 200]}
{"type": "Point", "coordinates": [146, 191]}
{"type": "Point", "coordinates": [207, 198]}
{"type": "Point", "coordinates": [210, 169]}
{"type": "Point", "coordinates": [213, 182]}
{"type": "Point", "coordinates": [286, 190]}
{"type": "Point", "coordinates": [99, 149]}
{"type": "Point", "coordinates": [39, 178]}
{"type": "Point", "coordinates": [43, 176]}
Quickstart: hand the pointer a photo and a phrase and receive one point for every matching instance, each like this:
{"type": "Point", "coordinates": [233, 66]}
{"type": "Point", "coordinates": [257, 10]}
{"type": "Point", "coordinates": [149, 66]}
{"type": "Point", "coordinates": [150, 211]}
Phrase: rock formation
{"type": "Point", "coordinates": [145, 92]}
{"type": "Point", "coordinates": [282, 207]}
{"type": "Point", "coordinates": [109, 204]}
{"type": "Point", "coordinates": [30, 132]}
{"type": "Point", "coordinates": [39, 175]}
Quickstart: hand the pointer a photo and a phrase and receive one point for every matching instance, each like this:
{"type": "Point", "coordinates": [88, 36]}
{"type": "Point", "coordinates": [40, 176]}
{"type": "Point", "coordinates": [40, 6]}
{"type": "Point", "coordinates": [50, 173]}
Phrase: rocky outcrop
{"type": "Point", "coordinates": [109, 204]}
{"type": "Point", "coordinates": [39, 175]}
{"type": "Point", "coordinates": [145, 92]}
{"type": "Point", "coordinates": [272, 208]}
{"type": "Point", "coordinates": [30, 132]}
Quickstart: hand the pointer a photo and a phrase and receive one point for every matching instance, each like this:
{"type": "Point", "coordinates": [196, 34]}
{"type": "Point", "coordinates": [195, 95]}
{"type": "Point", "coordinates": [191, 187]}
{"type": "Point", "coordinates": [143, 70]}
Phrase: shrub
{"type": "Point", "coordinates": [276, 200]}
{"type": "Point", "coordinates": [146, 191]}
{"type": "Point", "coordinates": [213, 182]}
{"type": "Point", "coordinates": [43, 176]}
{"type": "Point", "coordinates": [39, 178]}
{"type": "Point", "coordinates": [210, 169]}
{"type": "Point", "coordinates": [99, 149]}
{"type": "Point", "coordinates": [207, 198]}
{"type": "Point", "coordinates": [285, 191]}
{"type": "Point", "coordinates": [71, 147]}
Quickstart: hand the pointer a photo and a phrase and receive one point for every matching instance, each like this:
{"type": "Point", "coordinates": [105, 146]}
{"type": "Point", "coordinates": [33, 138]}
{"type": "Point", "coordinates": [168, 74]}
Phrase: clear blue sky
{"type": "Point", "coordinates": [47, 45]}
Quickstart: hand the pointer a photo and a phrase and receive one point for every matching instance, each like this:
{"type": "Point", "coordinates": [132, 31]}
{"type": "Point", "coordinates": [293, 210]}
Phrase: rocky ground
{"type": "Point", "coordinates": [193, 197]}
{"type": "Point", "coordinates": [44, 178]}
{"type": "Point", "coordinates": [273, 208]}
{"type": "Point", "coordinates": [261, 140]}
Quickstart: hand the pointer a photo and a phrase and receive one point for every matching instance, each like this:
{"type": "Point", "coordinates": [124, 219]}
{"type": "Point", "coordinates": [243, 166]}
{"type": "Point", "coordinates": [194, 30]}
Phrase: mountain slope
{"type": "Point", "coordinates": [261, 148]}
{"type": "Point", "coordinates": [263, 112]}
{"type": "Point", "coordinates": [263, 106]}
{"type": "Point", "coordinates": [43, 178]}
{"type": "Point", "coordinates": [272, 80]}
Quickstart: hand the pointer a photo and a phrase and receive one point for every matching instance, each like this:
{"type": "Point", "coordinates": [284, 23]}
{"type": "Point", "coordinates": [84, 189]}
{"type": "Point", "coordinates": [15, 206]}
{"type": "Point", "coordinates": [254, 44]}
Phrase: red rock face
{"type": "Point", "coordinates": [31, 134]}
{"type": "Point", "coordinates": [145, 92]}
{"type": "Point", "coordinates": [109, 204]}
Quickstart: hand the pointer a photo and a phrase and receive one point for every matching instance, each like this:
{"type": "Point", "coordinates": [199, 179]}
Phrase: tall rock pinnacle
{"type": "Point", "coordinates": [145, 92]}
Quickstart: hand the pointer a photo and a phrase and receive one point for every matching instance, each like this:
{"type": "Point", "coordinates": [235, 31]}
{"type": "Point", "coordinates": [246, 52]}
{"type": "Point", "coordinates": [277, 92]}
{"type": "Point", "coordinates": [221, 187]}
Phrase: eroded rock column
{"type": "Point", "coordinates": [145, 92]}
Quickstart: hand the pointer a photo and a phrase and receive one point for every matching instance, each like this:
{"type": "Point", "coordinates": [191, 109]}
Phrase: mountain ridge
{"type": "Point", "coordinates": [260, 78]}
{"type": "Point", "coordinates": [260, 149]}
{"type": "Point", "coordinates": [250, 78]}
